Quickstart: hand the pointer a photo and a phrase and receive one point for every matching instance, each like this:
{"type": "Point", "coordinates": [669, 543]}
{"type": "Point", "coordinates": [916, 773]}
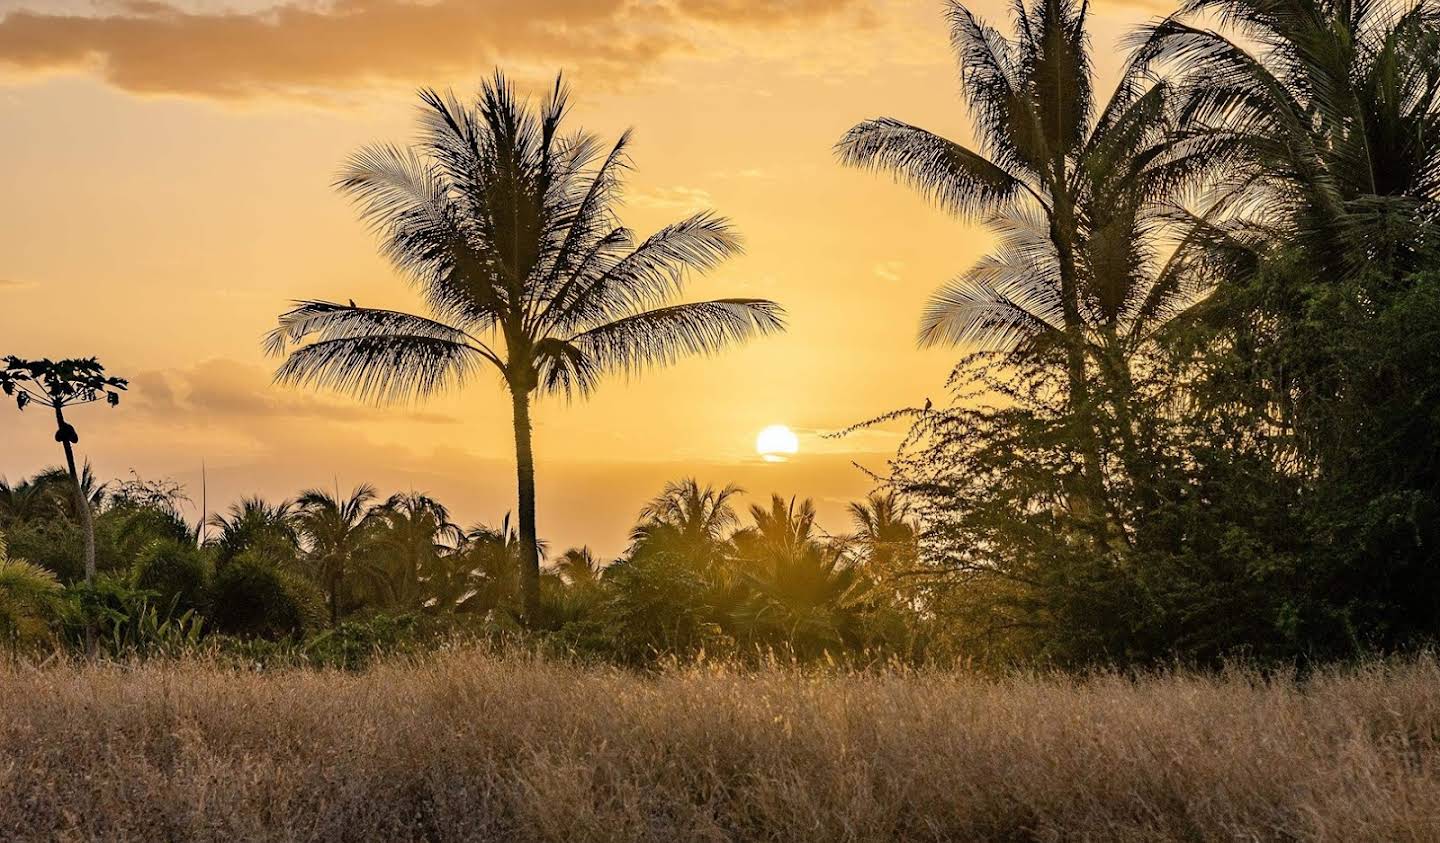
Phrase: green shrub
{"type": "Point", "coordinates": [178, 575]}
{"type": "Point", "coordinates": [252, 597]}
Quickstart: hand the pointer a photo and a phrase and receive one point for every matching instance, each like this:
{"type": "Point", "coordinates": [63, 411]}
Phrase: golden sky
{"type": "Point", "coordinates": [165, 169]}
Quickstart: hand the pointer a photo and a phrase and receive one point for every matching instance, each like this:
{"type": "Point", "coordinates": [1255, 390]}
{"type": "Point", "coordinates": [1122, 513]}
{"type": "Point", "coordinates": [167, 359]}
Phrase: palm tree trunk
{"type": "Point", "coordinates": [525, 476]}
{"type": "Point", "coordinates": [334, 600]}
{"type": "Point", "coordinates": [87, 523]}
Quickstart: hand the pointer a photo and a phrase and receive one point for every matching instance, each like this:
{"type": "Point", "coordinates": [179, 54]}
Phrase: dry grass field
{"type": "Point", "coordinates": [467, 746]}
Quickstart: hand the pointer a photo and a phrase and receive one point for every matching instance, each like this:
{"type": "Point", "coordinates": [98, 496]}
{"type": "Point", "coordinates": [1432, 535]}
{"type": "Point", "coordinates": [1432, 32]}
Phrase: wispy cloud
{"type": "Point", "coordinates": [678, 199]}
{"type": "Point", "coordinates": [227, 392]}
{"type": "Point", "coordinates": [889, 270]}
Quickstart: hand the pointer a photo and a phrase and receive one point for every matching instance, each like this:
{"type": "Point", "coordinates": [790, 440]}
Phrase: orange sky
{"type": "Point", "coordinates": [166, 175]}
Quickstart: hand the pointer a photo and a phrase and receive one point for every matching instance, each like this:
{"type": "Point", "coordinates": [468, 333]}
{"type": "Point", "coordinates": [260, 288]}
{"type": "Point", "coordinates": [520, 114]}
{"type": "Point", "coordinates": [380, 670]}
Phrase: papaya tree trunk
{"type": "Point", "coordinates": [525, 477]}
{"type": "Point", "coordinates": [82, 509]}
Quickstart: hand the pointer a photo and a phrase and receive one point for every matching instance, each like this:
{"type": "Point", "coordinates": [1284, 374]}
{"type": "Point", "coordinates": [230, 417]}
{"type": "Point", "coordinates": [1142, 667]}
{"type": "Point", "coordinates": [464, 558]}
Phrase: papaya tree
{"type": "Point", "coordinates": [60, 384]}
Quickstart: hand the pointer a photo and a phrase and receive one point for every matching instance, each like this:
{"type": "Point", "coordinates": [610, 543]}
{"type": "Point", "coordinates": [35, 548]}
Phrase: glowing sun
{"type": "Point", "coordinates": [776, 442]}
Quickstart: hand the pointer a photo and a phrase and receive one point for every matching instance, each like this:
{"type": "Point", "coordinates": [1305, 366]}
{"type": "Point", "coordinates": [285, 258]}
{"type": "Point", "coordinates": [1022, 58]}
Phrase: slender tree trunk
{"type": "Point", "coordinates": [525, 476]}
{"type": "Point", "coordinates": [87, 523]}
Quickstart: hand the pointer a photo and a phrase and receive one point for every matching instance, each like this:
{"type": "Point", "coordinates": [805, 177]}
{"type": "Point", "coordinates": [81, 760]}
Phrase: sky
{"type": "Point", "coordinates": [166, 171]}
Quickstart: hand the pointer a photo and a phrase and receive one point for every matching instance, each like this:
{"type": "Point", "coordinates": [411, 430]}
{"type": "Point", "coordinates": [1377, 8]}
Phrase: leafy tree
{"type": "Point", "coordinates": [60, 385]}
{"type": "Point", "coordinates": [506, 225]}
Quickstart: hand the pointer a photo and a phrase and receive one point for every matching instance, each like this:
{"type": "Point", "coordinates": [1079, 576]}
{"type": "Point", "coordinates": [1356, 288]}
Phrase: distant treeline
{"type": "Point", "coordinates": [697, 577]}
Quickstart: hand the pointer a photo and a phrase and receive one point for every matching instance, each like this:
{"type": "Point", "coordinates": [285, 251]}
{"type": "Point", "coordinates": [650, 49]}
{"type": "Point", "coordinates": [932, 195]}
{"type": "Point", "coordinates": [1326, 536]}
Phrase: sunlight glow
{"type": "Point", "coordinates": [776, 442]}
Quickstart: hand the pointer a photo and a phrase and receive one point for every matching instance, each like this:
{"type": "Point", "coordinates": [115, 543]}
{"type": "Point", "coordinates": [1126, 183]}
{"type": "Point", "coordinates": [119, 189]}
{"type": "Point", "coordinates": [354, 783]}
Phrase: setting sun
{"type": "Point", "coordinates": [776, 442]}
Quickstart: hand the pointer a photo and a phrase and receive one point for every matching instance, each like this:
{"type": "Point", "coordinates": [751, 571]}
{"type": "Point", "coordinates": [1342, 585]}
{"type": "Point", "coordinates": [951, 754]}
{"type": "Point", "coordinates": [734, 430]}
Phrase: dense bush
{"type": "Point", "coordinates": [177, 574]}
{"type": "Point", "coordinates": [251, 596]}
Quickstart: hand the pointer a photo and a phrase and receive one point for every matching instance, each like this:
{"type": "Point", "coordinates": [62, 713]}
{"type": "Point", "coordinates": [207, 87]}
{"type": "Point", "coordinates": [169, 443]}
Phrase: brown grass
{"type": "Point", "coordinates": [471, 747]}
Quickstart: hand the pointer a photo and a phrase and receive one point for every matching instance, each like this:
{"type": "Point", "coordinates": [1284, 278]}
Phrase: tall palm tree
{"type": "Point", "coordinates": [506, 225]}
{"type": "Point", "coordinates": [1078, 197]}
{"type": "Point", "coordinates": [338, 534]}
{"type": "Point", "coordinates": [418, 532]}
{"type": "Point", "coordinates": [1327, 110]}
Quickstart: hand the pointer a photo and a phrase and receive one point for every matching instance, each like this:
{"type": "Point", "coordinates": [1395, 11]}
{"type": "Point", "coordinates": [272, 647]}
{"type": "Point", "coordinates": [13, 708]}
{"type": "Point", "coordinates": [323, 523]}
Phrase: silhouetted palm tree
{"type": "Point", "coordinates": [1327, 110]}
{"type": "Point", "coordinates": [1078, 199]}
{"type": "Point", "coordinates": [417, 533]}
{"type": "Point", "coordinates": [255, 524]}
{"type": "Point", "coordinates": [798, 590]}
{"type": "Point", "coordinates": [687, 520]}
{"type": "Point", "coordinates": [578, 567]}
{"type": "Point", "coordinates": [339, 534]}
{"type": "Point", "coordinates": [883, 530]}
{"type": "Point", "coordinates": [29, 499]}
{"type": "Point", "coordinates": [486, 571]}
{"type": "Point", "coordinates": [506, 225]}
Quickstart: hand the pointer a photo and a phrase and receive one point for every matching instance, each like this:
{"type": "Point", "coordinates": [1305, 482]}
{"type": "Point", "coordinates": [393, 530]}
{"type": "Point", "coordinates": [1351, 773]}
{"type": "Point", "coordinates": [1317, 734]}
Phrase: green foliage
{"type": "Point", "coordinates": [177, 573]}
{"type": "Point", "coordinates": [29, 599]}
{"type": "Point", "coordinates": [130, 621]}
{"type": "Point", "coordinates": [252, 597]}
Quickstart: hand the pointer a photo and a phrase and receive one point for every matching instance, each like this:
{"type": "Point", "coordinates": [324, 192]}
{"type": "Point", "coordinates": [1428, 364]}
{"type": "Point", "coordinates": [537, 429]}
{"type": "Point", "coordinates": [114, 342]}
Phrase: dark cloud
{"type": "Point", "coordinates": [303, 49]}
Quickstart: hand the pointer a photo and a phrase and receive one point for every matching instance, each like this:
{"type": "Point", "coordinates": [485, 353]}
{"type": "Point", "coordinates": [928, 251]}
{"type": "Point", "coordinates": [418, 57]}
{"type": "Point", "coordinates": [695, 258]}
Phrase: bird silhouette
{"type": "Point", "coordinates": [928, 405]}
{"type": "Point", "coordinates": [352, 303]}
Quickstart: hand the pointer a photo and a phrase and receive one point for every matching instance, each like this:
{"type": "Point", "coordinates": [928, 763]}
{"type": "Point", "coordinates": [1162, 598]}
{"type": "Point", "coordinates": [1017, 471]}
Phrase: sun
{"type": "Point", "coordinates": [776, 442]}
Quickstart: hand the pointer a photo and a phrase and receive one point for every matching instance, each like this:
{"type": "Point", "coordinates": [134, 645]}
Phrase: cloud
{"type": "Point", "coordinates": [300, 49]}
{"type": "Point", "coordinates": [889, 270]}
{"type": "Point", "coordinates": [227, 392]}
{"type": "Point", "coordinates": [679, 199]}
{"type": "Point", "coordinates": [11, 285]}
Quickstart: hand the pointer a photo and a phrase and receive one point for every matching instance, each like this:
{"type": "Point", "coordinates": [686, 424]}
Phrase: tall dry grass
{"type": "Point", "coordinates": [470, 747]}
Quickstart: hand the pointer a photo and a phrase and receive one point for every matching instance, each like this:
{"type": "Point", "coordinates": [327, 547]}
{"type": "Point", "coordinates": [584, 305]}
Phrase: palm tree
{"type": "Point", "coordinates": [883, 531]}
{"type": "Point", "coordinates": [687, 520]}
{"type": "Point", "coordinates": [486, 570]}
{"type": "Point", "coordinates": [1328, 112]}
{"type": "Point", "coordinates": [578, 567]}
{"type": "Point", "coordinates": [339, 535]}
{"type": "Point", "coordinates": [1078, 198]}
{"type": "Point", "coordinates": [798, 589]}
{"type": "Point", "coordinates": [255, 524]}
{"type": "Point", "coordinates": [506, 225]}
{"type": "Point", "coordinates": [418, 532]}
{"type": "Point", "coordinates": [26, 500]}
